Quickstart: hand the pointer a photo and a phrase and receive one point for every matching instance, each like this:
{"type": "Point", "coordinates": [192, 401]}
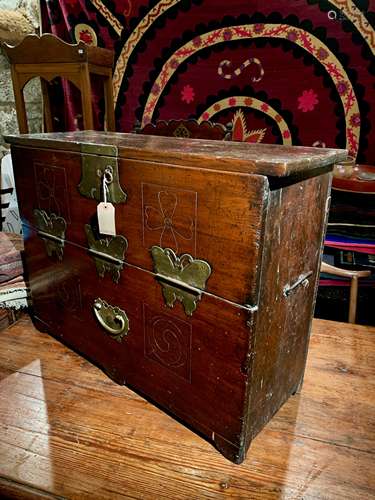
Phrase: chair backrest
{"type": "Point", "coordinates": [48, 48]}
{"type": "Point", "coordinates": [190, 128]}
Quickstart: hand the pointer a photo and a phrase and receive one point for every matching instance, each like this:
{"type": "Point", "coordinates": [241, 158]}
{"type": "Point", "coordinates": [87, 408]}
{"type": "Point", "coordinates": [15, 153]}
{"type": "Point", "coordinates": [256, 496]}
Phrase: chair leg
{"type": "Point", "coordinates": [47, 106]}
{"type": "Point", "coordinates": [109, 104]}
{"type": "Point", "coordinates": [86, 98]}
{"type": "Point", "coordinates": [353, 300]}
{"type": "Point", "coordinates": [20, 103]}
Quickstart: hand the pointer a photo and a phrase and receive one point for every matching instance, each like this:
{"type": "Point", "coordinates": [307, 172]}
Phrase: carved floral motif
{"type": "Point", "coordinates": [169, 218]}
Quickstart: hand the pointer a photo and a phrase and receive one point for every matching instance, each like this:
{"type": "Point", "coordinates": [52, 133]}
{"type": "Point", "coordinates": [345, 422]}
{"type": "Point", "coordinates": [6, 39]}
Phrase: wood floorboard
{"type": "Point", "coordinates": [67, 431]}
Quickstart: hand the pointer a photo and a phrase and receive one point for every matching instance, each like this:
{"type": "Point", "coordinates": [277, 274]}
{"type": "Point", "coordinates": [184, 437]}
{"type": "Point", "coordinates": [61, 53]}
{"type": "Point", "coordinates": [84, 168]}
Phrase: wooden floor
{"type": "Point", "coordinates": [67, 431]}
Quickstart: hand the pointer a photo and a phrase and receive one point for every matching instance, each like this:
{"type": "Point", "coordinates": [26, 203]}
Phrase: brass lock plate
{"type": "Point", "coordinates": [90, 186]}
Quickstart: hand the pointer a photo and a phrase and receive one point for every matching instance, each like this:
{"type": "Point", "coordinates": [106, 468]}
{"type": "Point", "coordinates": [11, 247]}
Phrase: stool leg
{"type": "Point", "coordinates": [353, 300]}
{"type": "Point", "coordinates": [47, 106]}
{"type": "Point", "coordinates": [20, 103]}
{"type": "Point", "coordinates": [86, 97]}
{"type": "Point", "coordinates": [109, 104]}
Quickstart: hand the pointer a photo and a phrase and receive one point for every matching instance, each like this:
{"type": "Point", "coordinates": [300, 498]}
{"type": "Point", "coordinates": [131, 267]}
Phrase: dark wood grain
{"type": "Point", "coordinates": [67, 431]}
{"type": "Point", "coordinates": [292, 248]}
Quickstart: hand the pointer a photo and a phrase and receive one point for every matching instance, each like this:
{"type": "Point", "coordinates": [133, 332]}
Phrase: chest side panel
{"type": "Point", "coordinates": [295, 225]}
{"type": "Point", "coordinates": [210, 215]}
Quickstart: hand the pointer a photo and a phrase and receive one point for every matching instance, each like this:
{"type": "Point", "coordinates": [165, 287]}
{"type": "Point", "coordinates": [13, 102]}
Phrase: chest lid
{"type": "Point", "coordinates": [265, 159]}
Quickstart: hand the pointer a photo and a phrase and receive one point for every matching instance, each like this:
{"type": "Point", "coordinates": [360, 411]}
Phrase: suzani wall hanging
{"type": "Point", "coordinates": [283, 71]}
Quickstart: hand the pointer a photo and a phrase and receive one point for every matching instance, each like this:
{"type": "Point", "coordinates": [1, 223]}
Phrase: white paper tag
{"type": "Point", "coordinates": [106, 218]}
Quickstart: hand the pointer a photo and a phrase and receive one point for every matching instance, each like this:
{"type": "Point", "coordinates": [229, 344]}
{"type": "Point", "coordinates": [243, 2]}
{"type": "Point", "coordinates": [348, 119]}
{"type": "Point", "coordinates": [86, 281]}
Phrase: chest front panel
{"type": "Point", "coordinates": [193, 366]}
{"type": "Point", "coordinates": [215, 217]}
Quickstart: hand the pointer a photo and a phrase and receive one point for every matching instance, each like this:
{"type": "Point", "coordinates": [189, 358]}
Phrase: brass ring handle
{"type": "Point", "coordinates": [112, 331]}
{"type": "Point", "coordinates": [109, 316]}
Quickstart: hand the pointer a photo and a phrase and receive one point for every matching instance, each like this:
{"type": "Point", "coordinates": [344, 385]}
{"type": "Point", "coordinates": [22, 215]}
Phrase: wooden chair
{"type": "Point", "coordinates": [48, 57]}
{"type": "Point", "coordinates": [189, 129]}
{"type": "Point", "coordinates": [354, 276]}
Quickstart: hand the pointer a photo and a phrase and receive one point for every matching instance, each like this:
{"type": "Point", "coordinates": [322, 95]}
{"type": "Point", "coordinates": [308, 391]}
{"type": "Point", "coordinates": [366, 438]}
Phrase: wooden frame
{"type": "Point", "coordinates": [47, 57]}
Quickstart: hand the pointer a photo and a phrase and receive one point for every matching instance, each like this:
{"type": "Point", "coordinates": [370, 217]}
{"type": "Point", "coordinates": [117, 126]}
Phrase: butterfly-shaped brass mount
{"type": "Point", "coordinates": [182, 278]}
{"type": "Point", "coordinates": [108, 253]}
{"type": "Point", "coordinates": [51, 228]}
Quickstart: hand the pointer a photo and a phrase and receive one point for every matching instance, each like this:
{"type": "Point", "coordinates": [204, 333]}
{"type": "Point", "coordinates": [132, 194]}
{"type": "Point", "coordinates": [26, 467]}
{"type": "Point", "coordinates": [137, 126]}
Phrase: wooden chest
{"type": "Point", "coordinates": [203, 300]}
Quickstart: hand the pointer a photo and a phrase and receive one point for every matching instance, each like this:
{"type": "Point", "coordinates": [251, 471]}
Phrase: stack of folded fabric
{"type": "Point", "coordinates": [13, 290]}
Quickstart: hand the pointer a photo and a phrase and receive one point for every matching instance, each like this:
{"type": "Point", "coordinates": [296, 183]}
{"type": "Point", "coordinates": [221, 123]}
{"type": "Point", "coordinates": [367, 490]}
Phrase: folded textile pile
{"type": "Point", "coordinates": [13, 290]}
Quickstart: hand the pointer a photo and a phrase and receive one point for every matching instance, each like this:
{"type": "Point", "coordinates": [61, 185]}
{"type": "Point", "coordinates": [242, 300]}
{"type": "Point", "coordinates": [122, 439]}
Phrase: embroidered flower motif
{"type": "Point", "coordinates": [286, 134]}
{"type": "Point", "coordinates": [205, 116]}
{"type": "Point", "coordinates": [322, 54]}
{"type": "Point", "coordinates": [155, 89]}
{"type": "Point", "coordinates": [85, 36]}
{"type": "Point", "coordinates": [232, 101]}
{"type": "Point", "coordinates": [227, 35]}
{"type": "Point", "coordinates": [307, 101]}
{"type": "Point", "coordinates": [258, 28]}
{"type": "Point", "coordinates": [240, 132]}
{"type": "Point", "coordinates": [319, 144]}
{"type": "Point", "coordinates": [174, 63]}
{"type": "Point", "coordinates": [85, 33]}
{"type": "Point", "coordinates": [187, 94]}
{"type": "Point", "coordinates": [342, 88]}
{"type": "Point", "coordinates": [264, 107]}
{"type": "Point", "coordinates": [166, 220]}
{"type": "Point", "coordinates": [278, 118]}
{"type": "Point", "coordinates": [197, 41]}
{"type": "Point", "coordinates": [248, 101]}
{"type": "Point", "coordinates": [217, 107]}
{"type": "Point", "coordinates": [292, 35]}
{"type": "Point", "coordinates": [127, 8]}
{"type": "Point", "coordinates": [355, 120]}
{"type": "Point", "coordinates": [147, 119]}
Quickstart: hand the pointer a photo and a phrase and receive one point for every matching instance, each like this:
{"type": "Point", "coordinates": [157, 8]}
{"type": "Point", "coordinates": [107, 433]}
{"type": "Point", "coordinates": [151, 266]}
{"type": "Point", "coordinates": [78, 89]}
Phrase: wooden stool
{"type": "Point", "coordinates": [354, 276]}
{"type": "Point", "coordinates": [48, 56]}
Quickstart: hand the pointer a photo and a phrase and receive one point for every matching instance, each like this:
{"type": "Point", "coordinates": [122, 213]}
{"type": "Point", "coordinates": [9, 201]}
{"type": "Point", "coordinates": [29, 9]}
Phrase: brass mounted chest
{"type": "Point", "coordinates": [203, 300]}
